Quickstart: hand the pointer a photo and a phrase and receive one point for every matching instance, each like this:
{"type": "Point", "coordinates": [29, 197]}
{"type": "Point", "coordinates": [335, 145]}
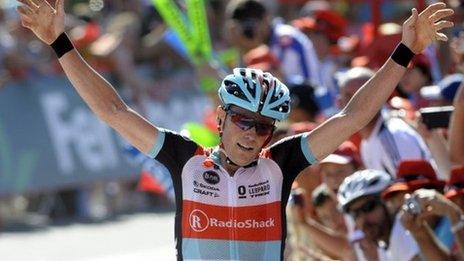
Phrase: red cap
{"type": "Point", "coordinates": [346, 153]}
{"type": "Point", "coordinates": [328, 22]}
{"type": "Point", "coordinates": [455, 185]}
{"type": "Point", "coordinates": [412, 175]}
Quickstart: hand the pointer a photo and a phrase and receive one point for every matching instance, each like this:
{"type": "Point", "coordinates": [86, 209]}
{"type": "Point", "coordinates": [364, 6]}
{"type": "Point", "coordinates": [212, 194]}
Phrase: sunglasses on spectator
{"type": "Point", "coordinates": [245, 123]}
{"type": "Point", "coordinates": [366, 208]}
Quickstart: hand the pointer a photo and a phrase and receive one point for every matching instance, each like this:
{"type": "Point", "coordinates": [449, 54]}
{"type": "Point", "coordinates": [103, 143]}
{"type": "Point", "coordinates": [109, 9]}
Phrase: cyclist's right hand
{"type": "Point", "coordinates": [46, 22]}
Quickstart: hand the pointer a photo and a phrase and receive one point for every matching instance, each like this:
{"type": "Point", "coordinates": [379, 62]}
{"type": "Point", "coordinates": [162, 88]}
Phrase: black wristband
{"type": "Point", "coordinates": [402, 55]}
{"type": "Point", "coordinates": [62, 45]}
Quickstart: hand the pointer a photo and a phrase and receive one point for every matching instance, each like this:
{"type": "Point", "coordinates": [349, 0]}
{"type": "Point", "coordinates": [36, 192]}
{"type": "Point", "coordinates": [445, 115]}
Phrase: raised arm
{"type": "Point", "coordinates": [419, 30]}
{"type": "Point", "coordinates": [47, 23]}
{"type": "Point", "coordinates": [456, 130]}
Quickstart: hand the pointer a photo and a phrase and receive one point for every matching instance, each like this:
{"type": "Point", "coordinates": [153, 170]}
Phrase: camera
{"type": "Point", "coordinates": [436, 117]}
{"type": "Point", "coordinates": [412, 206]}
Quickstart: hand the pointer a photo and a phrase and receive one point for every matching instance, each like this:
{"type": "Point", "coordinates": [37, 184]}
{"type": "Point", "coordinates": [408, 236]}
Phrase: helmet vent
{"type": "Point", "coordinates": [373, 182]}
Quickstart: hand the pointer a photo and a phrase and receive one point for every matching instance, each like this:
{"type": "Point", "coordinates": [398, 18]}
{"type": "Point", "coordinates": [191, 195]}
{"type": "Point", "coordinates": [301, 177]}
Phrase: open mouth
{"type": "Point", "coordinates": [244, 147]}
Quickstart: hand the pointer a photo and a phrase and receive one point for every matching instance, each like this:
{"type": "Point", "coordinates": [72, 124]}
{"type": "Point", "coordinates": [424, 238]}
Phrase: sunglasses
{"type": "Point", "coordinates": [245, 123]}
{"type": "Point", "coordinates": [366, 208]}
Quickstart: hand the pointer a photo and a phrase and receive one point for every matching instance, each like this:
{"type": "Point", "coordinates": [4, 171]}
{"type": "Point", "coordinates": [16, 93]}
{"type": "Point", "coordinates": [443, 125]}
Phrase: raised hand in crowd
{"type": "Point", "coordinates": [431, 203]}
{"type": "Point", "coordinates": [419, 31]}
{"type": "Point", "coordinates": [456, 130]}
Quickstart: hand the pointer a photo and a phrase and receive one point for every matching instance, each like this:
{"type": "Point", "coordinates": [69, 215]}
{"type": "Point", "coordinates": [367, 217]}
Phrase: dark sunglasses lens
{"type": "Point", "coordinates": [241, 122]}
{"type": "Point", "coordinates": [264, 129]}
{"type": "Point", "coordinates": [365, 209]}
{"type": "Point", "coordinates": [244, 123]}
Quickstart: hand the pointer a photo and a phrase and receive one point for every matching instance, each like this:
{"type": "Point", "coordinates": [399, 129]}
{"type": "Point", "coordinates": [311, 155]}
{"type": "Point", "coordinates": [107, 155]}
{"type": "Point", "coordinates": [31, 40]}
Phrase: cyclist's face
{"type": "Point", "coordinates": [244, 133]}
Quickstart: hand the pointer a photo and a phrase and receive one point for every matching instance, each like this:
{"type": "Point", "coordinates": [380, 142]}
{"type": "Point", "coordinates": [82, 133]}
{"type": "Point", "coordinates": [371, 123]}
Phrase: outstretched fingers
{"type": "Point", "coordinates": [440, 14]}
{"type": "Point", "coordinates": [441, 37]}
{"type": "Point", "coordinates": [25, 10]}
{"type": "Point", "coordinates": [431, 9]}
{"type": "Point", "coordinates": [29, 3]}
{"type": "Point", "coordinates": [443, 24]}
{"type": "Point", "coordinates": [42, 3]}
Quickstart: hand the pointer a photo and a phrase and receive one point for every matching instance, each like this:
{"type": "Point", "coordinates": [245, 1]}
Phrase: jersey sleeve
{"type": "Point", "coordinates": [292, 154]}
{"type": "Point", "coordinates": [173, 150]}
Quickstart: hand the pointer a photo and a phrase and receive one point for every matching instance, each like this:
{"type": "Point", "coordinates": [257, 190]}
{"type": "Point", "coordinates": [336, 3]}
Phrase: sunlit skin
{"type": "Point", "coordinates": [346, 93]}
{"type": "Point", "coordinates": [395, 201]}
{"type": "Point", "coordinates": [234, 139]}
{"type": "Point", "coordinates": [412, 81]}
{"type": "Point", "coordinates": [331, 217]}
{"type": "Point", "coordinates": [376, 224]}
{"type": "Point", "coordinates": [333, 174]}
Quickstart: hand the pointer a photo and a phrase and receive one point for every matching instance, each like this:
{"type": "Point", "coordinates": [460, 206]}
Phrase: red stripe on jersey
{"type": "Point", "coordinates": [250, 223]}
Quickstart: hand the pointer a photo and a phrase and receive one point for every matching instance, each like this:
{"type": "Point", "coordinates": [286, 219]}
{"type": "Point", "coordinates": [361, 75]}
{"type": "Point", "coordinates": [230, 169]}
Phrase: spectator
{"type": "Point", "coordinates": [411, 175]}
{"type": "Point", "coordinates": [359, 196]}
{"type": "Point", "coordinates": [385, 142]}
{"type": "Point", "coordinates": [423, 203]}
{"type": "Point", "coordinates": [250, 26]}
{"type": "Point", "coordinates": [304, 107]}
{"type": "Point", "coordinates": [324, 28]}
{"type": "Point", "coordinates": [326, 209]}
{"type": "Point", "coordinates": [418, 76]}
{"type": "Point", "coordinates": [333, 242]}
{"type": "Point", "coordinates": [339, 165]}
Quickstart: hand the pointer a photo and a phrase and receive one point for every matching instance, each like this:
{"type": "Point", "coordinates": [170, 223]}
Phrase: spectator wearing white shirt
{"type": "Point", "coordinates": [359, 196]}
{"type": "Point", "coordinates": [249, 25]}
{"type": "Point", "coordinates": [385, 142]}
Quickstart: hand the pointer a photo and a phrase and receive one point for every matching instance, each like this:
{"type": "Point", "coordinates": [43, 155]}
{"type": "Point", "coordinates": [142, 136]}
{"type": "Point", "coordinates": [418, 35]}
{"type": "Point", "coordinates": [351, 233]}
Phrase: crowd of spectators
{"type": "Point", "coordinates": [394, 191]}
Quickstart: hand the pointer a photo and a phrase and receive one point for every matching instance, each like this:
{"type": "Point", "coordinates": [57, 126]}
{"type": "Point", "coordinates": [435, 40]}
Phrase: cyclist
{"type": "Point", "coordinates": [230, 200]}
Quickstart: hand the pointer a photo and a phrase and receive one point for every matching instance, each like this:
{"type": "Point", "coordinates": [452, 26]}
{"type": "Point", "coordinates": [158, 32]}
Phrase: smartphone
{"type": "Point", "coordinates": [436, 117]}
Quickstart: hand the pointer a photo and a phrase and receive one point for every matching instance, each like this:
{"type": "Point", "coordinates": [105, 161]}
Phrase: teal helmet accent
{"type": "Point", "coordinates": [256, 91]}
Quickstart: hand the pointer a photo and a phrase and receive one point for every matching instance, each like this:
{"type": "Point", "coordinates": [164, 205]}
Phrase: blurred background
{"type": "Point", "coordinates": [72, 189]}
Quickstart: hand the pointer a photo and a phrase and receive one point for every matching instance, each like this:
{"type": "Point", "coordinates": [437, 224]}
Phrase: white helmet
{"type": "Point", "coordinates": [362, 183]}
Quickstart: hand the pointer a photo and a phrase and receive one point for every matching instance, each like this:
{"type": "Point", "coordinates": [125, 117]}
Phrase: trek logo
{"type": "Point", "coordinates": [199, 222]}
{"type": "Point", "coordinates": [211, 177]}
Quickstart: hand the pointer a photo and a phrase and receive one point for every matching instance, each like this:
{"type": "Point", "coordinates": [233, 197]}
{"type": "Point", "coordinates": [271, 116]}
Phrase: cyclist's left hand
{"type": "Point", "coordinates": [420, 30]}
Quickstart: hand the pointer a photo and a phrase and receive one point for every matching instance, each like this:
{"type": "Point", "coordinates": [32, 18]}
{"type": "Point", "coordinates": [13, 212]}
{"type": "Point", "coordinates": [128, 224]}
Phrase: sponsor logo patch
{"type": "Point", "coordinates": [211, 177]}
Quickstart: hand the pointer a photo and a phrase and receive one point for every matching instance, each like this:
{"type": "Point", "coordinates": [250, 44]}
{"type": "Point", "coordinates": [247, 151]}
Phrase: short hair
{"type": "Point", "coordinates": [243, 10]}
{"type": "Point", "coordinates": [355, 73]}
{"type": "Point", "coordinates": [302, 96]}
